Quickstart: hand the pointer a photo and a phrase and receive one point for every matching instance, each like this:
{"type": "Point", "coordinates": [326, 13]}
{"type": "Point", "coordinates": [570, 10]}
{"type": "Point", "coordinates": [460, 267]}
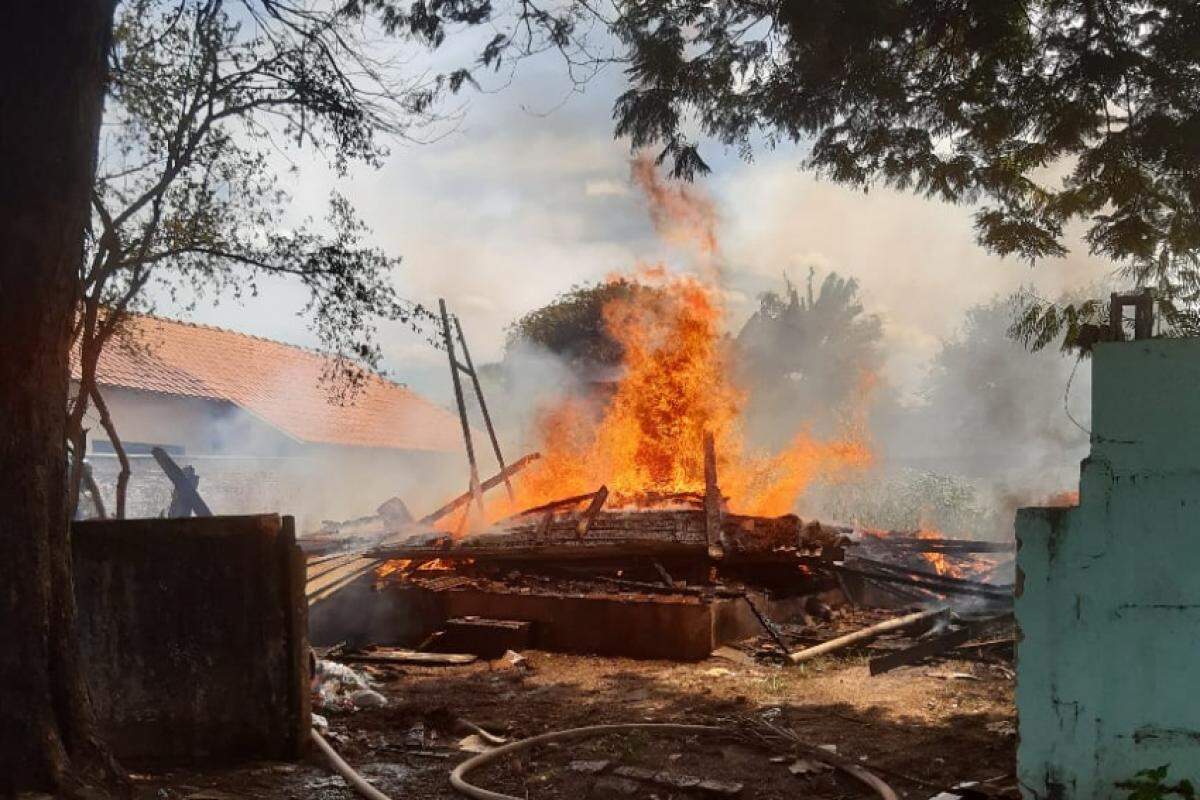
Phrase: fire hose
{"type": "Point", "coordinates": [460, 784]}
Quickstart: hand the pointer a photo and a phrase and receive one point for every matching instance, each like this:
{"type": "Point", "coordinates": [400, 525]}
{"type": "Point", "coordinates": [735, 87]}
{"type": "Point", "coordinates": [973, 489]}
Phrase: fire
{"type": "Point", "coordinates": [938, 561]}
{"type": "Point", "coordinates": [647, 438]}
{"type": "Point", "coordinates": [1062, 499]}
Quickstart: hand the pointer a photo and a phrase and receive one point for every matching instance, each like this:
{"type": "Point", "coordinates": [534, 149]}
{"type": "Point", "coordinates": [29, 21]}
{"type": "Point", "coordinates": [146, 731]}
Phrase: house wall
{"type": "Point", "coordinates": [247, 467]}
{"type": "Point", "coordinates": [1108, 596]}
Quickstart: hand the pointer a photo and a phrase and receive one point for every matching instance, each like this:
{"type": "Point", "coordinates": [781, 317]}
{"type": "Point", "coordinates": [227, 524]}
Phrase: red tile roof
{"type": "Point", "coordinates": [279, 383]}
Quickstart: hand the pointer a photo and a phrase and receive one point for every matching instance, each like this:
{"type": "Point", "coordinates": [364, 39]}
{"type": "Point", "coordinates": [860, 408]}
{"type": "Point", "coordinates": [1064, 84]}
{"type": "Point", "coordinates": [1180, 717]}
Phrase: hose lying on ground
{"type": "Point", "coordinates": [459, 782]}
{"type": "Point", "coordinates": [358, 782]}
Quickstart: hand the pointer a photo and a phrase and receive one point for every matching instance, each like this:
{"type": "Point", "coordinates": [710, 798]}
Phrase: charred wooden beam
{"type": "Point", "coordinates": [897, 569]}
{"type": "Point", "coordinates": [589, 513]}
{"type": "Point", "coordinates": [940, 585]}
{"type": "Point", "coordinates": [919, 652]}
{"type": "Point", "coordinates": [553, 505]}
{"type": "Point", "coordinates": [184, 486]}
{"type": "Point", "coordinates": [947, 546]}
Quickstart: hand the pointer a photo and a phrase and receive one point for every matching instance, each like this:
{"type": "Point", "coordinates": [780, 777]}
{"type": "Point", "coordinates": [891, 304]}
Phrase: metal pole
{"type": "Point", "coordinates": [462, 406]}
{"type": "Point", "coordinates": [487, 418]}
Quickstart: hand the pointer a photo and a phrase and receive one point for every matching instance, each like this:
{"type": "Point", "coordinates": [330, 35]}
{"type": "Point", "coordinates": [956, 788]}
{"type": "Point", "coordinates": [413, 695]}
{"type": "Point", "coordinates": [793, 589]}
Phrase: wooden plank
{"type": "Point", "coordinates": [865, 634]}
{"type": "Point", "coordinates": [334, 580]}
{"type": "Point", "coordinates": [397, 656]}
{"type": "Point", "coordinates": [940, 585]}
{"type": "Point", "coordinates": [315, 571]}
{"type": "Point", "coordinates": [589, 513]}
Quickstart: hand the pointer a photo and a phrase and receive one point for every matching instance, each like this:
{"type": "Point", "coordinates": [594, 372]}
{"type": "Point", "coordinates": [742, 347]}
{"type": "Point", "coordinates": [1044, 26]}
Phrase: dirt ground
{"type": "Point", "coordinates": [922, 729]}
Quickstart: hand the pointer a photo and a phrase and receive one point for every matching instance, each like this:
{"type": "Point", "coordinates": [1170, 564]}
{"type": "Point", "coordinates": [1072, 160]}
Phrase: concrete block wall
{"type": "Point", "coordinates": [194, 633]}
{"type": "Point", "coordinates": [1108, 593]}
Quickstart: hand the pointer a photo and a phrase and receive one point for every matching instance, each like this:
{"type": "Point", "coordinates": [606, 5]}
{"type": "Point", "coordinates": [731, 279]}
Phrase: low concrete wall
{"type": "Point", "coordinates": [1108, 593]}
{"type": "Point", "coordinates": [194, 636]}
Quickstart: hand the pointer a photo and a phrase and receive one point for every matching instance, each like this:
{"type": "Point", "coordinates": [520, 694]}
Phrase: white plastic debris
{"type": "Point", "coordinates": [339, 687]}
{"type": "Point", "coordinates": [320, 723]}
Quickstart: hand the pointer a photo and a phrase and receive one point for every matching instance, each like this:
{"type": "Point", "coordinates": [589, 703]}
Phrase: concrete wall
{"type": "Point", "coordinates": [194, 636]}
{"type": "Point", "coordinates": [1108, 594]}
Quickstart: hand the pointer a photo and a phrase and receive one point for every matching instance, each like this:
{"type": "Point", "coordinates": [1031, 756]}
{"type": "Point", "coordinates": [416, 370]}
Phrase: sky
{"type": "Point", "coordinates": [530, 194]}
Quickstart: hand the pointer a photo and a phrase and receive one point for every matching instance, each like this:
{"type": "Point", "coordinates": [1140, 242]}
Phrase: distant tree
{"type": "Point", "coordinates": [186, 195]}
{"type": "Point", "coordinates": [802, 357]}
{"type": "Point", "coordinates": [991, 407]}
{"type": "Point", "coordinates": [572, 325]}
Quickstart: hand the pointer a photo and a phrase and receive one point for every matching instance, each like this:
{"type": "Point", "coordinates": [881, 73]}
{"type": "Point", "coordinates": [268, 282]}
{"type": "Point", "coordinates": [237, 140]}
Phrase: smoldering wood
{"type": "Point", "coordinates": [904, 541]}
{"type": "Point", "coordinates": [553, 505]}
{"type": "Point", "coordinates": [679, 533]}
{"type": "Point", "coordinates": [940, 586]}
{"type": "Point", "coordinates": [585, 519]}
{"type": "Point", "coordinates": [921, 651]}
{"type": "Point", "coordinates": [183, 484]}
{"type": "Point", "coordinates": [926, 575]}
{"type": "Point", "coordinates": [492, 482]}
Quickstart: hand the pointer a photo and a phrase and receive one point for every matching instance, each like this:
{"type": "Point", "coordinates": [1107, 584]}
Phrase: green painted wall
{"type": "Point", "coordinates": [1108, 593]}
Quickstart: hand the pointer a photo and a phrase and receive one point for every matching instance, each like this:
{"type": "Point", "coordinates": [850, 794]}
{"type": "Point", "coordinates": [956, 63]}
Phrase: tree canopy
{"type": "Point", "coordinates": [803, 356]}
{"type": "Point", "coordinates": [1053, 118]}
{"type": "Point", "coordinates": [572, 326]}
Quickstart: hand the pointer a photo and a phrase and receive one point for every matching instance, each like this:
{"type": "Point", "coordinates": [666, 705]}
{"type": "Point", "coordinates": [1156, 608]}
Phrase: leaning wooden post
{"type": "Point", "coordinates": [712, 499]}
{"type": "Point", "coordinates": [462, 406]}
{"type": "Point", "coordinates": [487, 418]}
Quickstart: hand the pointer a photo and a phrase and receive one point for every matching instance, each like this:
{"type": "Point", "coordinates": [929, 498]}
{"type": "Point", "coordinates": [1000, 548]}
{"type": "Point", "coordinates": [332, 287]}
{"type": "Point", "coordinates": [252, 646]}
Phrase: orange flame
{"type": "Point", "coordinates": [648, 438]}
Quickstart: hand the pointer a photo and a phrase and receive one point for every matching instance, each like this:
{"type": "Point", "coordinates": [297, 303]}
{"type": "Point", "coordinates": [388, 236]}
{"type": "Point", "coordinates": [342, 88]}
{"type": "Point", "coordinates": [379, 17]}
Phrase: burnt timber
{"type": "Point", "coordinates": [621, 534]}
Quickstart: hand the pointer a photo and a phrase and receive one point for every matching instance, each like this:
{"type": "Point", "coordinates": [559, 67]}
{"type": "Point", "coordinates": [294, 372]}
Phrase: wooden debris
{"type": "Point", "coordinates": [866, 634]}
{"type": "Point", "coordinates": [185, 485]}
{"type": "Point", "coordinates": [919, 652]}
{"type": "Point", "coordinates": [936, 583]}
{"type": "Point", "coordinates": [581, 527]}
{"type": "Point", "coordinates": [400, 656]}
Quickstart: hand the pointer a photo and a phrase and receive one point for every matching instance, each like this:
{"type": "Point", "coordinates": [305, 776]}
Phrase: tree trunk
{"type": "Point", "coordinates": [52, 61]}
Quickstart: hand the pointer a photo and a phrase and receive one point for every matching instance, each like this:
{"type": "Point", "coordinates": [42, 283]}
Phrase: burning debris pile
{"type": "Point", "coordinates": [650, 489]}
